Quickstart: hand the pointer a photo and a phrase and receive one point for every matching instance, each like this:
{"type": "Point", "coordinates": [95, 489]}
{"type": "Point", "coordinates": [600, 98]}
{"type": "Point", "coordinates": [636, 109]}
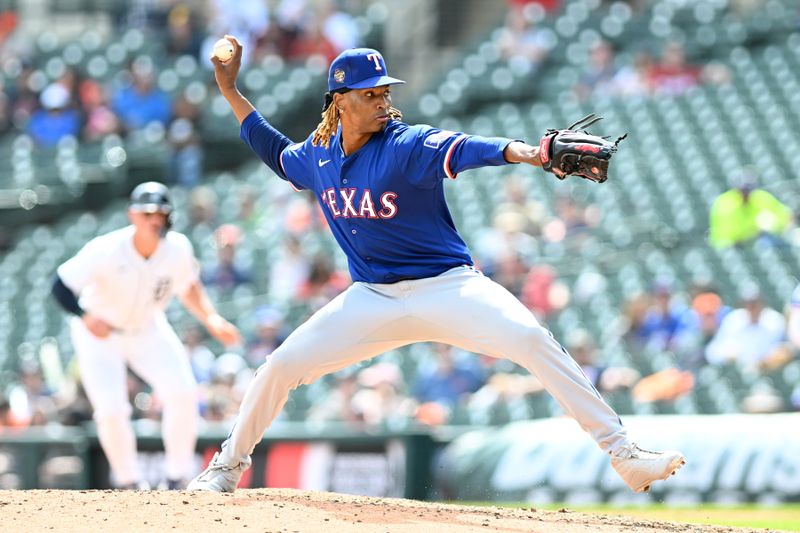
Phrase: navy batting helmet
{"type": "Point", "coordinates": [152, 197]}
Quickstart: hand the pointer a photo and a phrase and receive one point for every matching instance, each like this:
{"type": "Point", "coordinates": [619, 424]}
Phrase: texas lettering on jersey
{"type": "Point", "coordinates": [355, 205]}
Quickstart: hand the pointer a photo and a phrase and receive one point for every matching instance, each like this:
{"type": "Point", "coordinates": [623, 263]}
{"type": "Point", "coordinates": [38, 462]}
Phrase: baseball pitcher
{"type": "Point", "coordinates": [117, 288]}
{"type": "Point", "coordinates": [380, 183]}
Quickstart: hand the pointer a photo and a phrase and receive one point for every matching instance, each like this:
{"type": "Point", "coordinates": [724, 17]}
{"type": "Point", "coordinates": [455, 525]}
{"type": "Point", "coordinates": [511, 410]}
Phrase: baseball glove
{"type": "Point", "coordinates": [576, 152]}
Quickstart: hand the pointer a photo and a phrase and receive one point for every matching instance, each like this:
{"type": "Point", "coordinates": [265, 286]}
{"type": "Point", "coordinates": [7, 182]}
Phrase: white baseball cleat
{"type": "Point", "coordinates": [639, 468]}
{"type": "Point", "coordinates": [219, 477]}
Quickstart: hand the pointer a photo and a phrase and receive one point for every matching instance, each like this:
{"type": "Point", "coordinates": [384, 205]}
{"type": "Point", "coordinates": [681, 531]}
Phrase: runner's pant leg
{"type": "Point", "coordinates": [104, 378]}
{"type": "Point", "coordinates": [159, 358]}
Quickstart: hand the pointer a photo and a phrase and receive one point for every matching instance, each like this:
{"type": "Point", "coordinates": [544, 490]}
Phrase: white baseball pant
{"type": "Point", "coordinates": [460, 307]}
{"type": "Point", "coordinates": [155, 354]}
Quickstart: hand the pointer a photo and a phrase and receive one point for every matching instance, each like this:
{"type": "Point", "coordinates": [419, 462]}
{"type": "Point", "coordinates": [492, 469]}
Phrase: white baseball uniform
{"type": "Point", "coordinates": [115, 283]}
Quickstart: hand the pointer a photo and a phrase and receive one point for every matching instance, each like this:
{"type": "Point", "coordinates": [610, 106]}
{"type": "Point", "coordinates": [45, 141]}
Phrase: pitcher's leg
{"type": "Point", "coordinates": [355, 326]}
{"type": "Point", "coordinates": [104, 377]}
{"type": "Point", "coordinates": [479, 315]}
{"type": "Point", "coordinates": [162, 362]}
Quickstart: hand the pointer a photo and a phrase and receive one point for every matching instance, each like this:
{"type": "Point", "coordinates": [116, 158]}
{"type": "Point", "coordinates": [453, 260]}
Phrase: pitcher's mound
{"type": "Point", "coordinates": [284, 510]}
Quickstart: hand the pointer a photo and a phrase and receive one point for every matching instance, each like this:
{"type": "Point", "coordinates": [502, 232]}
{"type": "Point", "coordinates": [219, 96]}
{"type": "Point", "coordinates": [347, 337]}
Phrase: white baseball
{"type": "Point", "coordinates": [223, 50]}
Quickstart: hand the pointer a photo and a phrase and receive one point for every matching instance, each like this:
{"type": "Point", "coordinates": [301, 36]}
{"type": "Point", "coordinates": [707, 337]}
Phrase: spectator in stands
{"type": "Point", "coordinates": [339, 27]}
{"type": "Point", "coordinates": [663, 385]}
{"type": "Point", "coordinates": [746, 212]}
{"type": "Point", "coordinates": [8, 23]}
{"type": "Point", "coordinates": [312, 41]}
{"type": "Point", "coordinates": [573, 223]}
{"type": "Point", "coordinates": [291, 17]}
{"type": "Point", "coordinates": [510, 271]}
{"type": "Point", "coordinates": [5, 412]}
{"type": "Point", "coordinates": [30, 400]}
{"type": "Point", "coordinates": [25, 99]}
{"type": "Point", "coordinates": [184, 35]}
{"type": "Point", "coordinates": [538, 293]}
{"type": "Point", "coordinates": [229, 374]}
{"type": "Point", "coordinates": [521, 43]}
{"type": "Point", "coordinates": [100, 120]}
{"type": "Point", "coordinates": [323, 283]}
{"type": "Point", "coordinates": [269, 334]}
{"type": "Point", "coordinates": [634, 80]}
{"type": "Point", "coordinates": [448, 380]}
{"type": "Point", "coordinates": [251, 215]}
{"type": "Point", "coordinates": [302, 215]}
{"type": "Point", "coordinates": [673, 76]}
{"type": "Point", "coordinates": [226, 274]}
{"type": "Point", "coordinates": [338, 405]}
{"type": "Point", "coordinates": [702, 322]}
{"type": "Point", "coordinates": [57, 117]}
{"type": "Point", "coordinates": [505, 241]}
{"type": "Point", "coordinates": [202, 207]}
{"type": "Point", "coordinates": [140, 102]}
{"type": "Point", "coordinates": [549, 6]}
{"type": "Point", "coordinates": [186, 160]}
{"type": "Point", "coordinates": [516, 201]}
{"type": "Point", "coordinates": [634, 311]}
{"type": "Point", "coordinates": [249, 20]}
{"type": "Point", "coordinates": [663, 322]}
{"type": "Point", "coordinates": [515, 223]}
{"type": "Point", "coordinates": [380, 400]}
{"type": "Point", "coordinates": [750, 335]}
{"type": "Point", "coordinates": [605, 379]}
{"type": "Point", "coordinates": [200, 356]}
{"type": "Point", "coordinates": [289, 271]}
{"type": "Point", "coordinates": [5, 107]}
{"type": "Point", "coordinates": [600, 76]}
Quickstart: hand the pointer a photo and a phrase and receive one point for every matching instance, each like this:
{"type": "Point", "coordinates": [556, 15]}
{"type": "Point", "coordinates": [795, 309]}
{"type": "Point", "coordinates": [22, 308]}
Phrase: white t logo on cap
{"type": "Point", "coordinates": [377, 59]}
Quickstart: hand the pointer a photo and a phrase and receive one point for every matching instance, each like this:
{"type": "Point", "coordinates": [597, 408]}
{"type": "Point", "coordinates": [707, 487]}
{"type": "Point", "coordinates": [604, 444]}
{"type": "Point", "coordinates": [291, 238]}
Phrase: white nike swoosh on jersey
{"type": "Point", "coordinates": [322, 163]}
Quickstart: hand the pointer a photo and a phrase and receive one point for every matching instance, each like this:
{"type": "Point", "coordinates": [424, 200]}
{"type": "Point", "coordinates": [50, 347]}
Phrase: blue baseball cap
{"type": "Point", "coordinates": [359, 68]}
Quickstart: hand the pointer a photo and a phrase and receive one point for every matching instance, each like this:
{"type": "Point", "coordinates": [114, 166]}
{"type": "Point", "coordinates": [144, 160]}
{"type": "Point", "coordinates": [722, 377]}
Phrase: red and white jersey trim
{"type": "Point", "coordinates": [449, 154]}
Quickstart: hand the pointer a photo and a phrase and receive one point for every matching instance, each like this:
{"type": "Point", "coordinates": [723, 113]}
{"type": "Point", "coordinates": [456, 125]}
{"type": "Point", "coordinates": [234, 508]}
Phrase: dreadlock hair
{"type": "Point", "coordinates": [330, 120]}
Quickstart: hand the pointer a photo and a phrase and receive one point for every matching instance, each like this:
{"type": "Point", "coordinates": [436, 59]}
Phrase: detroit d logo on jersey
{"type": "Point", "coordinates": [162, 289]}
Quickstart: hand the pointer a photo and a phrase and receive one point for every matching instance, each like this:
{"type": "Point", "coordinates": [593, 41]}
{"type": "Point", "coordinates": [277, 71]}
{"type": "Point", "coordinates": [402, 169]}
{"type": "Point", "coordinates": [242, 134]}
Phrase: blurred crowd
{"type": "Point", "coordinates": [669, 338]}
{"type": "Point", "coordinates": [78, 105]}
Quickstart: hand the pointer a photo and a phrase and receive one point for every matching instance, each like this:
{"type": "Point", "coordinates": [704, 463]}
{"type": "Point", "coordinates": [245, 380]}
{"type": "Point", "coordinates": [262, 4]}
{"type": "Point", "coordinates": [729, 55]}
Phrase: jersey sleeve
{"type": "Point", "coordinates": [187, 268]}
{"type": "Point", "coordinates": [78, 272]}
{"type": "Point", "coordinates": [429, 154]}
{"type": "Point", "coordinates": [294, 162]}
{"type": "Point", "coordinates": [269, 144]}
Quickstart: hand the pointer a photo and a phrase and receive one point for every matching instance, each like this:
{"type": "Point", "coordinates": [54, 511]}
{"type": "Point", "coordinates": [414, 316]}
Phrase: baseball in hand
{"type": "Point", "coordinates": [223, 50]}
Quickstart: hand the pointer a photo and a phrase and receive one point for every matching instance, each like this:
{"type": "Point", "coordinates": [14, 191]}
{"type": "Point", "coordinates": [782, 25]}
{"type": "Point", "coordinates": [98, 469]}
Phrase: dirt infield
{"type": "Point", "coordinates": [271, 510]}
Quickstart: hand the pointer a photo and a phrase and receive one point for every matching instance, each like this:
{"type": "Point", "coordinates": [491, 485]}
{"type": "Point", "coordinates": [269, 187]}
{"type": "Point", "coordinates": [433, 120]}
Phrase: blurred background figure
{"type": "Point", "coordinates": [227, 273]}
{"type": "Point", "coordinates": [269, 334]}
{"type": "Point", "coordinates": [448, 379]}
{"type": "Point", "coordinates": [139, 101]}
{"type": "Point", "coordinates": [56, 119]}
{"type": "Point", "coordinates": [745, 212]}
{"type": "Point", "coordinates": [749, 335]}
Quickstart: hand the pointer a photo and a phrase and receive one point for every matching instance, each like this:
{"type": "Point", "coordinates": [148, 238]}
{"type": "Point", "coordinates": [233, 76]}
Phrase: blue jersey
{"type": "Point", "coordinates": [385, 202]}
